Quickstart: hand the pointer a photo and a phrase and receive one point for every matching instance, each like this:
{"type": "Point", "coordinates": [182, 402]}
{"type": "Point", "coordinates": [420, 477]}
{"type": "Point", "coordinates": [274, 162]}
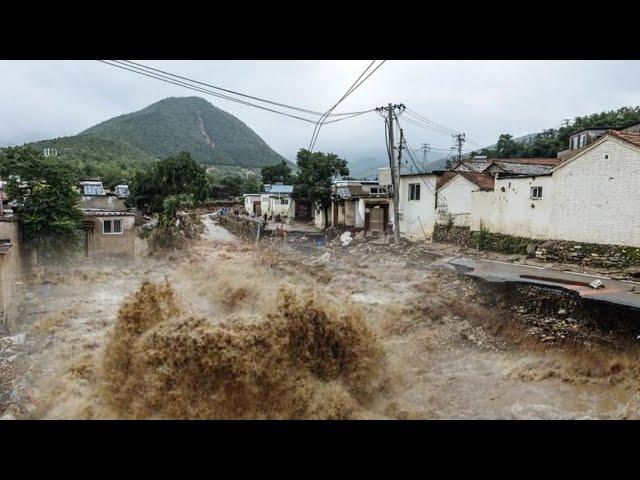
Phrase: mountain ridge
{"type": "Point", "coordinates": [212, 136]}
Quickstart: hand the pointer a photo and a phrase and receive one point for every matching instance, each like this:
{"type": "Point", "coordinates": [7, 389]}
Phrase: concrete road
{"type": "Point", "coordinates": [617, 292]}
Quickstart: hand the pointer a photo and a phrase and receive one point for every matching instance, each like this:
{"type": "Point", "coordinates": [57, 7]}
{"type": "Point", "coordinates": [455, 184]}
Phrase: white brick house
{"type": "Point", "coordinates": [593, 196]}
{"type": "Point", "coordinates": [454, 196]}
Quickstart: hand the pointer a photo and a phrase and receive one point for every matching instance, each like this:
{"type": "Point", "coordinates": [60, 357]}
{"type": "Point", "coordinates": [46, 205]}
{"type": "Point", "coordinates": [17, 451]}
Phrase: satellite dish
{"type": "Point", "coordinates": [50, 152]}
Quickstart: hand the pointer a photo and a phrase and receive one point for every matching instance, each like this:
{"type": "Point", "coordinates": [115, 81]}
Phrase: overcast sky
{"type": "Point", "coordinates": [45, 99]}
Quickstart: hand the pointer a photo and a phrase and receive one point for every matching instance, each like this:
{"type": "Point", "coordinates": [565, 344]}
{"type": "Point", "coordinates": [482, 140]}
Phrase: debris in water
{"type": "Point", "coordinates": [346, 239]}
{"type": "Point", "coordinates": [16, 339]}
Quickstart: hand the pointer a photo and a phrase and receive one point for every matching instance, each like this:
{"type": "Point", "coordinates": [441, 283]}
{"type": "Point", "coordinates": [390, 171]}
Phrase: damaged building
{"type": "Point", "coordinates": [360, 204]}
{"type": "Point", "coordinates": [108, 224]}
{"type": "Point", "coordinates": [277, 200]}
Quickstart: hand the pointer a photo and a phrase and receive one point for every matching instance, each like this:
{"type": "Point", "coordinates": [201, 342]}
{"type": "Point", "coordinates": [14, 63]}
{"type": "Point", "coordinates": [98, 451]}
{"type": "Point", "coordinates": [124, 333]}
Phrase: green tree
{"type": "Point", "coordinates": [280, 172]}
{"type": "Point", "coordinates": [46, 203]}
{"type": "Point", "coordinates": [175, 175]}
{"type": "Point", "coordinates": [251, 185]}
{"type": "Point", "coordinates": [316, 172]}
{"type": "Point", "coordinates": [506, 146]}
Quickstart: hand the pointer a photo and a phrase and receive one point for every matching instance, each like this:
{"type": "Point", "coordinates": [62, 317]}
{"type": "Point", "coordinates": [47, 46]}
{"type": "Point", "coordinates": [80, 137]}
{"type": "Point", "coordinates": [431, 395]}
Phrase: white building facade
{"type": "Point", "coordinates": [592, 197]}
{"type": "Point", "coordinates": [417, 205]}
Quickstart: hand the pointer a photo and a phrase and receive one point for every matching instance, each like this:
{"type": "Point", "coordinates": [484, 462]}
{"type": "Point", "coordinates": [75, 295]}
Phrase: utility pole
{"type": "Point", "coordinates": [400, 147]}
{"type": "Point", "coordinates": [459, 139]}
{"type": "Point", "coordinates": [394, 163]}
{"type": "Point", "coordinates": [425, 149]}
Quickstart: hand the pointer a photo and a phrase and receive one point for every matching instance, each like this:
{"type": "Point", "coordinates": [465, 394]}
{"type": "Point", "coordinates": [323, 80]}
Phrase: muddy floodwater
{"type": "Point", "coordinates": [229, 329]}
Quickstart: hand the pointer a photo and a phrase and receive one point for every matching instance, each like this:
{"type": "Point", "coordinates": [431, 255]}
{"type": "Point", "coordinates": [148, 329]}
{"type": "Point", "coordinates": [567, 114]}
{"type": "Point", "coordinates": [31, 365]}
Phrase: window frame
{"type": "Point", "coordinates": [582, 142]}
{"type": "Point", "coordinates": [93, 190]}
{"type": "Point", "coordinates": [414, 192]}
{"type": "Point", "coordinates": [112, 223]}
{"type": "Point", "coordinates": [534, 197]}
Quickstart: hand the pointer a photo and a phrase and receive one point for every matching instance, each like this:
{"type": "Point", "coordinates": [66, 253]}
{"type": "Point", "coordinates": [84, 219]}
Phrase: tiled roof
{"type": "Point", "coordinates": [550, 162]}
{"type": "Point", "coordinates": [632, 138]}
{"type": "Point", "coordinates": [442, 180]}
{"type": "Point", "coordinates": [484, 181]}
{"type": "Point", "coordinates": [524, 169]}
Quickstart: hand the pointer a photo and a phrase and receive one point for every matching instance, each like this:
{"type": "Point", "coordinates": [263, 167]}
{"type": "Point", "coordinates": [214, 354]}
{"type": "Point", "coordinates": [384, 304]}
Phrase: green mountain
{"type": "Point", "coordinates": [90, 147]}
{"type": "Point", "coordinates": [191, 124]}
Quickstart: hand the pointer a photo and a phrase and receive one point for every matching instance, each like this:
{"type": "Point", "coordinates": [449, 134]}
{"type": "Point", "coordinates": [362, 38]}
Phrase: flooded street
{"type": "Point", "coordinates": [446, 354]}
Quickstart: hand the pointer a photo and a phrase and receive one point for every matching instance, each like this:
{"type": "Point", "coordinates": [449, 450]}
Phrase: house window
{"type": "Point", "coordinates": [93, 190]}
{"type": "Point", "coordinates": [284, 201]}
{"type": "Point", "coordinates": [606, 156]}
{"type": "Point", "coordinates": [414, 191]}
{"type": "Point", "coordinates": [536, 193]}
{"type": "Point", "coordinates": [112, 227]}
{"type": "Point", "coordinates": [583, 140]}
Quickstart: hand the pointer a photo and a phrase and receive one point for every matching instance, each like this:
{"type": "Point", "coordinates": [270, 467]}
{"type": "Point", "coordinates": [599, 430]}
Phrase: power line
{"type": "Point", "coordinates": [356, 84]}
{"type": "Point", "coordinates": [416, 116]}
{"type": "Point", "coordinates": [140, 66]}
{"type": "Point", "coordinates": [318, 125]}
{"type": "Point", "coordinates": [426, 126]}
{"type": "Point", "coordinates": [208, 92]}
{"type": "Point", "coordinates": [180, 83]}
{"type": "Point", "coordinates": [425, 119]}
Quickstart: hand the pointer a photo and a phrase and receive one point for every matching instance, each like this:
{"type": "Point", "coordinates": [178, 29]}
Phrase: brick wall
{"type": "Point", "coordinates": [597, 199]}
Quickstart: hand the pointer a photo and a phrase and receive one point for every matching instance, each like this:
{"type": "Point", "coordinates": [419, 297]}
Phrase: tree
{"type": "Point", "coordinates": [316, 172]}
{"type": "Point", "coordinates": [46, 202]}
{"type": "Point", "coordinates": [175, 175]}
{"type": "Point", "coordinates": [251, 185]}
{"type": "Point", "coordinates": [280, 172]}
{"type": "Point", "coordinates": [506, 146]}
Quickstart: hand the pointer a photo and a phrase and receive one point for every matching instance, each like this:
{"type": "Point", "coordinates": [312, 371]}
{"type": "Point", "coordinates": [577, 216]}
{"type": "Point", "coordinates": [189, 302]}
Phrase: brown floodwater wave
{"type": "Point", "coordinates": [303, 360]}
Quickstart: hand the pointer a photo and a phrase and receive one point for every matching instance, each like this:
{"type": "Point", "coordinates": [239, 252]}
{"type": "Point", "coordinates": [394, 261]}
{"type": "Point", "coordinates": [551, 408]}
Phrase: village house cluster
{"type": "Point", "coordinates": [587, 193]}
{"type": "Point", "coordinates": [590, 195]}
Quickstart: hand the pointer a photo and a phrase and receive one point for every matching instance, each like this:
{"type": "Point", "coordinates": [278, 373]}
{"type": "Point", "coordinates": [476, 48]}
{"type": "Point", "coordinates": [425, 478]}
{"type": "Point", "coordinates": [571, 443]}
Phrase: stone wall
{"type": "Point", "coordinates": [243, 227]}
{"type": "Point", "coordinates": [596, 255]}
{"type": "Point", "coordinates": [447, 233]}
{"type": "Point", "coordinates": [482, 240]}
{"type": "Point", "coordinates": [610, 256]}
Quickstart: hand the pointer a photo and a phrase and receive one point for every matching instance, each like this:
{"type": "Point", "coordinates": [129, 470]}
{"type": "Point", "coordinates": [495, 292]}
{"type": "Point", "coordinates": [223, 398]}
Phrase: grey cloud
{"type": "Point", "coordinates": [44, 99]}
